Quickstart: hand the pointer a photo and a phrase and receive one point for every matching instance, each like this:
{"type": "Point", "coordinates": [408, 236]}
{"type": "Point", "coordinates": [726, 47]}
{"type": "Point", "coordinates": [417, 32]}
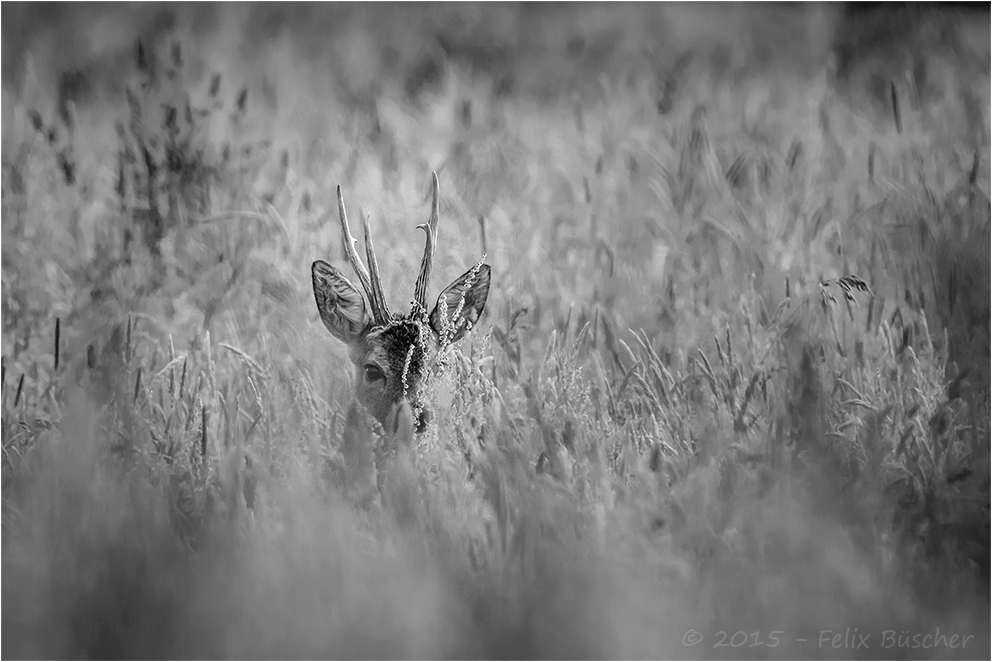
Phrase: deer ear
{"type": "Point", "coordinates": [460, 304]}
{"type": "Point", "coordinates": [341, 306]}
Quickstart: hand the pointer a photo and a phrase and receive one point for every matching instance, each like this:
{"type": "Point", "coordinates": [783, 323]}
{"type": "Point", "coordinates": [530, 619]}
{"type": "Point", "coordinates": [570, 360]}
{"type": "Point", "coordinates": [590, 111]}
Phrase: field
{"type": "Point", "coordinates": [729, 397]}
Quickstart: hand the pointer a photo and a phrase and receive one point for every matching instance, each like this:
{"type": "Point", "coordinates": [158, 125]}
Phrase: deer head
{"type": "Point", "coordinates": [394, 353]}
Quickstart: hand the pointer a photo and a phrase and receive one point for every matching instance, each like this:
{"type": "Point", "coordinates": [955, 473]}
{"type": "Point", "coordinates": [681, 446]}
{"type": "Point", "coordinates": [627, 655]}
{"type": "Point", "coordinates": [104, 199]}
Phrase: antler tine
{"type": "Point", "coordinates": [430, 246]}
{"type": "Point", "coordinates": [350, 253]}
{"type": "Point", "coordinates": [376, 297]}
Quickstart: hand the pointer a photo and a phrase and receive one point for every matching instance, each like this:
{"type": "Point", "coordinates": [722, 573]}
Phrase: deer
{"type": "Point", "coordinates": [396, 355]}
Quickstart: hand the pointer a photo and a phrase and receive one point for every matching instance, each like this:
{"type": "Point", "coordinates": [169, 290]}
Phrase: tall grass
{"type": "Point", "coordinates": [732, 379]}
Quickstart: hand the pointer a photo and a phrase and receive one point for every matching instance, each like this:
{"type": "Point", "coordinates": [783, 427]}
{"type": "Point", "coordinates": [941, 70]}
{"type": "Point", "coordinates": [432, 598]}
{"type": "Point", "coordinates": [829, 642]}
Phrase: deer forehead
{"type": "Point", "coordinates": [401, 347]}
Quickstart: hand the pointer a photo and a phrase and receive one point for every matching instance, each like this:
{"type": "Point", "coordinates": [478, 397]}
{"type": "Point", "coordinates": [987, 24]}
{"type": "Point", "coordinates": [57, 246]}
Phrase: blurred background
{"type": "Point", "coordinates": [733, 374]}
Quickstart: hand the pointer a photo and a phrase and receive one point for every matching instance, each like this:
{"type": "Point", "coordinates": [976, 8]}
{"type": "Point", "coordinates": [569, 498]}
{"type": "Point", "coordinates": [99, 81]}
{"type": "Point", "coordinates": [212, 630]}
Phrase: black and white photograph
{"type": "Point", "coordinates": [531, 330]}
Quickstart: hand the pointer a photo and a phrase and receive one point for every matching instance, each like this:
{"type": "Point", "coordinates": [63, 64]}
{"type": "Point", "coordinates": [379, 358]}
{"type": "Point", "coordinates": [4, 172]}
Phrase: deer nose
{"type": "Point", "coordinates": [423, 419]}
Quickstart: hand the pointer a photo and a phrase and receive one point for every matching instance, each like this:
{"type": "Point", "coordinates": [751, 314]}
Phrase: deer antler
{"type": "Point", "coordinates": [371, 285]}
{"type": "Point", "coordinates": [430, 245]}
{"type": "Point", "coordinates": [376, 296]}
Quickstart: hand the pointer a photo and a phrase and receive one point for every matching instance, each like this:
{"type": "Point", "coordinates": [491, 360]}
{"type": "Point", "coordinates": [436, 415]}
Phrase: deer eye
{"type": "Point", "coordinates": [372, 373]}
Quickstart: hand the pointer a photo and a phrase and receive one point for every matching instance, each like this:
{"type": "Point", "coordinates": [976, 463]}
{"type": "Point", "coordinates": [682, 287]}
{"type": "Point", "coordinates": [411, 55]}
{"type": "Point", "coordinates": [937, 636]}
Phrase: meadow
{"type": "Point", "coordinates": [729, 397]}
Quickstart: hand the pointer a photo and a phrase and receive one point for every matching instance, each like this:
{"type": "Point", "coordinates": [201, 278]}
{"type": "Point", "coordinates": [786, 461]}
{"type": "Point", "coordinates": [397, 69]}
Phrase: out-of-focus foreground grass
{"type": "Point", "coordinates": [733, 375]}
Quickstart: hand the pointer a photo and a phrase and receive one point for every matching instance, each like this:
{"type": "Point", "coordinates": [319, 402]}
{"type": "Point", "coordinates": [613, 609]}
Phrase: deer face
{"type": "Point", "coordinates": [395, 354]}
